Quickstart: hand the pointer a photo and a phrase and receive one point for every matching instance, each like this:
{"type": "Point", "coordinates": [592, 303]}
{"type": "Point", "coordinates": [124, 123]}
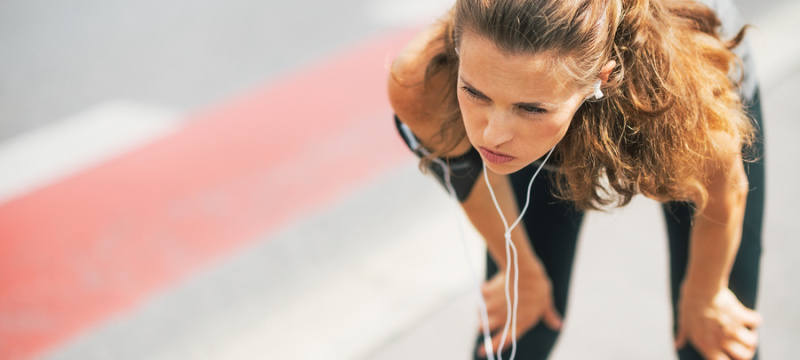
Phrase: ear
{"type": "Point", "coordinates": [606, 71]}
{"type": "Point", "coordinates": [602, 78]}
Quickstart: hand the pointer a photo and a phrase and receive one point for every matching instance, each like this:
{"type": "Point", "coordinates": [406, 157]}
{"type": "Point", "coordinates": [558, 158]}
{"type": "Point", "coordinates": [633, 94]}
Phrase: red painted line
{"type": "Point", "coordinates": [98, 243]}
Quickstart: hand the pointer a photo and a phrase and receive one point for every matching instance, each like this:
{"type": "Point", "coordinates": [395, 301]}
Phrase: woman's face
{"type": "Point", "coordinates": [515, 107]}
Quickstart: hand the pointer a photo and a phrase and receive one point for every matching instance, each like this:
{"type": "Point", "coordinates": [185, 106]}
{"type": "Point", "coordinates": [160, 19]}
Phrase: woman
{"type": "Point", "coordinates": [630, 96]}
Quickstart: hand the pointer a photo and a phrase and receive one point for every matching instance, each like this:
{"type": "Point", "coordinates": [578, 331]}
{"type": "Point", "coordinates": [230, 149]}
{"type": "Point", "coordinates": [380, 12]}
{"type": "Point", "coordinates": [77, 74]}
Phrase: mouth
{"type": "Point", "coordinates": [495, 157]}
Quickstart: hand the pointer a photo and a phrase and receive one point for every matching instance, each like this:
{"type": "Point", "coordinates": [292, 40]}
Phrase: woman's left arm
{"type": "Point", "coordinates": [711, 317]}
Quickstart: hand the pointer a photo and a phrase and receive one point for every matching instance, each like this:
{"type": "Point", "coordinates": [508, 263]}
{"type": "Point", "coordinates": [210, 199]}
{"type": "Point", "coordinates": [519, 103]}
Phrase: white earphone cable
{"type": "Point", "coordinates": [511, 316]}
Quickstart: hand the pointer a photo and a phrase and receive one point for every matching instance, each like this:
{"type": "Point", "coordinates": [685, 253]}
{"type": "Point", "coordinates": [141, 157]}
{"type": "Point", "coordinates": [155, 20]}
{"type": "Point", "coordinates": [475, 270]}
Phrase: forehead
{"type": "Point", "coordinates": [489, 68]}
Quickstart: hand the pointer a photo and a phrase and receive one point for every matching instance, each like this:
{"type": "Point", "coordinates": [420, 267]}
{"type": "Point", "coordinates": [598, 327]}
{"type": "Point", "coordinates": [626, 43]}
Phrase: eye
{"type": "Point", "coordinates": [532, 109]}
{"type": "Point", "coordinates": [472, 93]}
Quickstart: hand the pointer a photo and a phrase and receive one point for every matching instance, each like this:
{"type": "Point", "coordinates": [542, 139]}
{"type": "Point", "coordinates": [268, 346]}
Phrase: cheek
{"type": "Point", "coordinates": [471, 116]}
{"type": "Point", "coordinates": [542, 135]}
{"type": "Point", "coordinates": [546, 129]}
{"type": "Point", "coordinates": [560, 124]}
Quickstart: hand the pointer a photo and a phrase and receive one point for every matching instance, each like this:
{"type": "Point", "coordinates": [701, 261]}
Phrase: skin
{"type": "Point", "coordinates": [517, 106]}
{"type": "Point", "coordinates": [512, 104]}
{"type": "Point", "coordinates": [711, 317]}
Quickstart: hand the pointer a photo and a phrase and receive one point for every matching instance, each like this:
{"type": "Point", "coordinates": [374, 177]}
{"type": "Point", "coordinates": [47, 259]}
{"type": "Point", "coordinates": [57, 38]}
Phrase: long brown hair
{"type": "Point", "coordinates": [669, 93]}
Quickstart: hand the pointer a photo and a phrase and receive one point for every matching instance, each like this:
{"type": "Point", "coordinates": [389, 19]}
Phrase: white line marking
{"type": "Point", "coordinates": [31, 161]}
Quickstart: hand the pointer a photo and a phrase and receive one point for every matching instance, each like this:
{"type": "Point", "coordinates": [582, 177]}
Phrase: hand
{"type": "Point", "coordinates": [535, 304]}
{"type": "Point", "coordinates": [718, 326]}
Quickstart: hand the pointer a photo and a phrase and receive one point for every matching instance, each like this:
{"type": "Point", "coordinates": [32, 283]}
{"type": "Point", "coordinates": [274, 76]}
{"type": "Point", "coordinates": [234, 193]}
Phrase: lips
{"type": "Point", "coordinates": [495, 157]}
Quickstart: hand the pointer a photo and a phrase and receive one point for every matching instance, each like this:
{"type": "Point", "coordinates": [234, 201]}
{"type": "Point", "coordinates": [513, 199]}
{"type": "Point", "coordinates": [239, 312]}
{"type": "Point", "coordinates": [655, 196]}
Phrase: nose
{"type": "Point", "coordinates": [498, 131]}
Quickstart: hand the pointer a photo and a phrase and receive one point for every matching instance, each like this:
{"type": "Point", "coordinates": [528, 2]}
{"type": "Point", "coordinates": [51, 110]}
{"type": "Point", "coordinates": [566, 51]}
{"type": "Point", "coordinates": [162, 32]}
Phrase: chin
{"type": "Point", "coordinates": [503, 169]}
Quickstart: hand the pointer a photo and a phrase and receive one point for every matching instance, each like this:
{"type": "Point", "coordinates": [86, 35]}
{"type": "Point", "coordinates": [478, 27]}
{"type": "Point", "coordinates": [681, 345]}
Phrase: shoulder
{"type": "Point", "coordinates": [408, 93]}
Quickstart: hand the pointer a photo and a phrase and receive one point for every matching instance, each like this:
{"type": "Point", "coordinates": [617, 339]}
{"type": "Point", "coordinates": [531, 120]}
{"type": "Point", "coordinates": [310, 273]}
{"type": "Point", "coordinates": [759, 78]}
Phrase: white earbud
{"type": "Point", "coordinates": [598, 94]}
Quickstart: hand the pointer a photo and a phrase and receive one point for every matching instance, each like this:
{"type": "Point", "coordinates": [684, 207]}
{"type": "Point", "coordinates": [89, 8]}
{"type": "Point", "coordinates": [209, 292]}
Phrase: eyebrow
{"type": "Point", "coordinates": [532, 104]}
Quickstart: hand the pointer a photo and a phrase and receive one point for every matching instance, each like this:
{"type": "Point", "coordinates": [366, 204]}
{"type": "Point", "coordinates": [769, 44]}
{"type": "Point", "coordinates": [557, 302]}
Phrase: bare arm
{"type": "Point", "coordinates": [484, 216]}
{"type": "Point", "coordinates": [711, 317]}
{"type": "Point", "coordinates": [717, 230]}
